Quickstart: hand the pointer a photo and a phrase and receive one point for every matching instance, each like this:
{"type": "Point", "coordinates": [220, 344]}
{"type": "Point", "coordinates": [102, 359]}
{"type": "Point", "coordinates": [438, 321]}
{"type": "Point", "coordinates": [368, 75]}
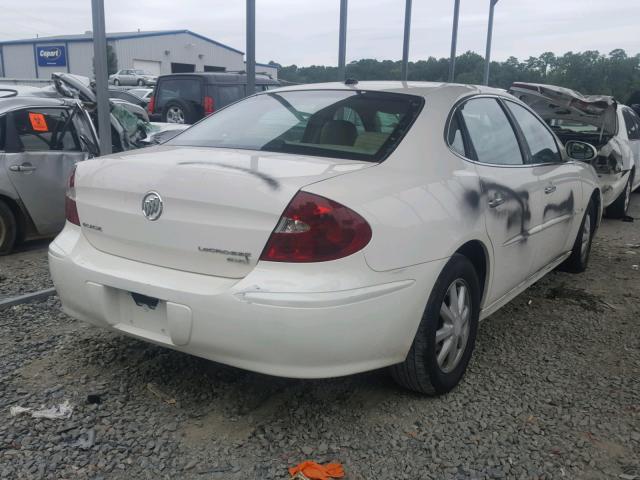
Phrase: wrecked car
{"type": "Point", "coordinates": [599, 120]}
{"type": "Point", "coordinates": [41, 139]}
{"type": "Point", "coordinates": [130, 127]}
{"type": "Point", "coordinates": [43, 133]}
{"type": "Point", "coordinates": [322, 230]}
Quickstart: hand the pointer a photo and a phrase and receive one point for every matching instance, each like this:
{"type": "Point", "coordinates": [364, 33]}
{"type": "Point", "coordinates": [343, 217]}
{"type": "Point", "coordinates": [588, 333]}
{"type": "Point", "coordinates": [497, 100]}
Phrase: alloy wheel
{"type": "Point", "coordinates": [175, 115]}
{"type": "Point", "coordinates": [453, 326]}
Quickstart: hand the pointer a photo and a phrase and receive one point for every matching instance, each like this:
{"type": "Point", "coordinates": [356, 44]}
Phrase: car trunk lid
{"type": "Point", "coordinates": [219, 206]}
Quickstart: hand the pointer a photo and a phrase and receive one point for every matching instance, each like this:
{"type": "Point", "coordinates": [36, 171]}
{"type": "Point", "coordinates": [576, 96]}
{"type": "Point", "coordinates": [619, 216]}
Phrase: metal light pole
{"type": "Point", "coordinates": [487, 55]}
{"type": "Point", "coordinates": [251, 47]}
{"type": "Point", "coordinates": [405, 45]}
{"type": "Point", "coordinates": [342, 41]}
{"type": "Point", "coordinates": [454, 40]}
{"type": "Point", "coordinates": [102, 76]}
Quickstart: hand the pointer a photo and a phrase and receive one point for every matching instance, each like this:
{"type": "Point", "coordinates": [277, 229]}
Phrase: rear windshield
{"type": "Point", "coordinates": [355, 125]}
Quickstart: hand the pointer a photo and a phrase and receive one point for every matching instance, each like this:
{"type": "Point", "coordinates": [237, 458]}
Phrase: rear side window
{"type": "Point", "coordinates": [38, 130]}
{"type": "Point", "coordinates": [540, 140]}
{"type": "Point", "coordinates": [490, 132]}
{"type": "Point", "coordinates": [226, 94]}
{"type": "Point", "coordinates": [327, 123]}
{"type": "Point", "coordinates": [632, 123]}
{"type": "Point", "coordinates": [187, 89]}
{"type": "Point", "coordinates": [455, 137]}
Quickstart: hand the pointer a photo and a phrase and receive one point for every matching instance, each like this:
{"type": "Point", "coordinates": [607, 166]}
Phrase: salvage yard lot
{"type": "Point", "coordinates": [552, 392]}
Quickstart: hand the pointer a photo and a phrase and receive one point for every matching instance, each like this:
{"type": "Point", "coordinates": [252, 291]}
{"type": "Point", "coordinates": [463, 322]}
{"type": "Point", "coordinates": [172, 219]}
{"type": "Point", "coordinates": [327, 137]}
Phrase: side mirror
{"type": "Point", "coordinates": [583, 151]}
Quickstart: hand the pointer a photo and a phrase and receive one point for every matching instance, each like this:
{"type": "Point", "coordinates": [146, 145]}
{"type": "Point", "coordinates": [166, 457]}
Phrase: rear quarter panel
{"type": "Point", "coordinates": [423, 202]}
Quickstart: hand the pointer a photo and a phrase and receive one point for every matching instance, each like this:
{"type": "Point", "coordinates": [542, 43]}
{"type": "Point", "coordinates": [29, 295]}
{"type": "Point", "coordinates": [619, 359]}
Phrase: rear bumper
{"type": "Point", "coordinates": [307, 321]}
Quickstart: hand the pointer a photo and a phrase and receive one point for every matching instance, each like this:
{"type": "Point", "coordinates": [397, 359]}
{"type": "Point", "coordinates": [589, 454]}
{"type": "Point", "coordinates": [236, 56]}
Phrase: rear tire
{"type": "Point", "coordinates": [140, 83]}
{"type": "Point", "coordinates": [422, 371]}
{"type": "Point", "coordinates": [178, 111]}
{"type": "Point", "coordinates": [618, 209]}
{"type": "Point", "coordinates": [579, 259]}
{"type": "Point", "coordinates": [8, 229]}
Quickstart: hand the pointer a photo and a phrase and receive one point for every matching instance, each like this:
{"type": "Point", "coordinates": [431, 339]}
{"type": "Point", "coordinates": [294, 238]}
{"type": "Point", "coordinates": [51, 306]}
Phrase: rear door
{"type": "Point", "coordinates": [43, 145]}
{"type": "Point", "coordinates": [511, 194]}
{"type": "Point", "coordinates": [559, 186]}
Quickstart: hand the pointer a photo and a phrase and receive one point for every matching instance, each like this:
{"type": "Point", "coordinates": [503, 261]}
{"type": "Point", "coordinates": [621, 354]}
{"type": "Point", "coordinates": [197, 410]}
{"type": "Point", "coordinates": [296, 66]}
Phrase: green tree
{"type": "Point", "coordinates": [589, 72]}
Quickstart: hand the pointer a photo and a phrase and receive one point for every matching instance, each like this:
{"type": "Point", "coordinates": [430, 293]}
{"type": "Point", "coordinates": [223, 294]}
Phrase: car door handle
{"type": "Point", "coordinates": [22, 168]}
{"type": "Point", "coordinates": [549, 189]}
{"type": "Point", "coordinates": [496, 201]}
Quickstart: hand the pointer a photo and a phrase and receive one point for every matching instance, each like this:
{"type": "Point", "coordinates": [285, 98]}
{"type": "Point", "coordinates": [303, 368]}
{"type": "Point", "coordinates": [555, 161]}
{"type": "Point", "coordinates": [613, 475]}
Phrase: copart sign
{"type": "Point", "coordinates": [51, 56]}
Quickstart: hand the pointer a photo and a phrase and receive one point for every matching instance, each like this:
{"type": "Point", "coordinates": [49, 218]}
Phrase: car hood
{"type": "Point", "coordinates": [550, 101]}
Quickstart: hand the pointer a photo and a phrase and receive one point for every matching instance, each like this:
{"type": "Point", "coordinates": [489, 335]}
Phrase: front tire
{"type": "Point", "coordinates": [8, 229]}
{"type": "Point", "coordinates": [445, 339]}
{"type": "Point", "coordinates": [618, 209]}
{"type": "Point", "coordinates": [140, 83]}
{"type": "Point", "coordinates": [579, 259]}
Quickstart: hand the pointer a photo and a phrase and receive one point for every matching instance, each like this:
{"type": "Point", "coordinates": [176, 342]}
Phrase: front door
{"type": "Point", "coordinates": [559, 187]}
{"type": "Point", "coordinates": [510, 196]}
{"type": "Point", "coordinates": [42, 146]}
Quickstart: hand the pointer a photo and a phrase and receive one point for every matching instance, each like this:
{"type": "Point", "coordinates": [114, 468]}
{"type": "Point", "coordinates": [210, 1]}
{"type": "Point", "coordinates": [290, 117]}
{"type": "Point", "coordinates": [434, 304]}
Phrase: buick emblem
{"type": "Point", "coordinates": [152, 206]}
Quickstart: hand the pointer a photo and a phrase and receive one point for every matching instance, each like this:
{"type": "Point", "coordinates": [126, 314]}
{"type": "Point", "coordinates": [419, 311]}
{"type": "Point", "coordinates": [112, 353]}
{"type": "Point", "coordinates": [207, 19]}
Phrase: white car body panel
{"type": "Point", "coordinates": [553, 102]}
{"type": "Point", "coordinates": [309, 320]}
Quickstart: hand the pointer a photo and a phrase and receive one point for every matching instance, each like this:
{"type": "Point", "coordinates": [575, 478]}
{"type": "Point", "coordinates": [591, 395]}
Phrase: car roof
{"type": "Point", "coordinates": [423, 89]}
{"type": "Point", "coordinates": [12, 103]}
{"type": "Point", "coordinates": [220, 77]}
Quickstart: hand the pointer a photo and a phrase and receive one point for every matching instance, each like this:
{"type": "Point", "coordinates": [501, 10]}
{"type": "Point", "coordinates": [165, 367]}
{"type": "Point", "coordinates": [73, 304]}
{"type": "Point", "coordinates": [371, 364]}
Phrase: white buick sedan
{"type": "Point", "coordinates": [324, 230]}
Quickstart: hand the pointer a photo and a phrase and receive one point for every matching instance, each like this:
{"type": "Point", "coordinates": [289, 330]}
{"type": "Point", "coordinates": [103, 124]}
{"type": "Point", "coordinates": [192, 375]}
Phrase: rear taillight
{"type": "Point", "coordinates": [70, 207]}
{"type": "Point", "coordinates": [151, 105]}
{"type": "Point", "coordinates": [208, 105]}
{"type": "Point", "coordinates": [316, 229]}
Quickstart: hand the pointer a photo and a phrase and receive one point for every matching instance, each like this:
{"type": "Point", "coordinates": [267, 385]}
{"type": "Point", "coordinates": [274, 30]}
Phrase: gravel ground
{"type": "Point", "coordinates": [552, 392]}
{"type": "Point", "coordinates": [26, 270]}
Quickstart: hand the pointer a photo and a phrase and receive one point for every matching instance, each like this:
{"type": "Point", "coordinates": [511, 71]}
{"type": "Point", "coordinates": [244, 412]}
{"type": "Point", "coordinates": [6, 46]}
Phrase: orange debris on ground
{"type": "Point", "coordinates": [315, 471]}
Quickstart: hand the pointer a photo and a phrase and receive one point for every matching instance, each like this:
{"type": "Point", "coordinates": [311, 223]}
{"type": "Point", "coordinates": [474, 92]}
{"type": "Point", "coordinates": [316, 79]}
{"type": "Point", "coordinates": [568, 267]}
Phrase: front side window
{"type": "Point", "coordinates": [327, 123]}
{"type": "Point", "coordinates": [541, 143]}
{"type": "Point", "coordinates": [38, 130]}
{"type": "Point", "coordinates": [490, 132]}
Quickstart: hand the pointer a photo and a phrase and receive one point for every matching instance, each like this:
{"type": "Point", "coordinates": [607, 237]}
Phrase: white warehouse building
{"type": "Point", "coordinates": [156, 52]}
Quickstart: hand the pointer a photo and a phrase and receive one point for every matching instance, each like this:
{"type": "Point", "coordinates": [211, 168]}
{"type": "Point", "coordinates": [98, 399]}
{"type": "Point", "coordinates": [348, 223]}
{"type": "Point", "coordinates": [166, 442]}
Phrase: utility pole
{"type": "Point", "coordinates": [251, 47]}
{"type": "Point", "coordinates": [487, 55]}
{"type": "Point", "coordinates": [405, 45]}
{"type": "Point", "coordinates": [102, 76]}
{"type": "Point", "coordinates": [454, 41]}
{"type": "Point", "coordinates": [342, 41]}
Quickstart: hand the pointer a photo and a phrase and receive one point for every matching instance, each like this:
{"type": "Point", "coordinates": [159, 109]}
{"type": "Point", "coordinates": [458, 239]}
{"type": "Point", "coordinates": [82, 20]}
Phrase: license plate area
{"type": "Point", "coordinates": [144, 312]}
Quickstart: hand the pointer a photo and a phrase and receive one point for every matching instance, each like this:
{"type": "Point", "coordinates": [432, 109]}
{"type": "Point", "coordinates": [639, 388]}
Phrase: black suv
{"type": "Point", "coordinates": [188, 97]}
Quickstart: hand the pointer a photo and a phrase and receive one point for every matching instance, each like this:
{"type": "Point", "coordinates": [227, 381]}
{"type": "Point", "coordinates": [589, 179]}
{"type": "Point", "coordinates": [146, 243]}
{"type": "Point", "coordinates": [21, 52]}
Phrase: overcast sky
{"type": "Point", "coordinates": [305, 32]}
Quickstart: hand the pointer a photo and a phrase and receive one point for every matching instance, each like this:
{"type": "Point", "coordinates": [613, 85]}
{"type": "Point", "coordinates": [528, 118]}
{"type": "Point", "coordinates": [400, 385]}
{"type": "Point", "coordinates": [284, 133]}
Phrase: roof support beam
{"type": "Point", "coordinates": [405, 44]}
{"type": "Point", "coordinates": [102, 76]}
{"type": "Point", "coordinates": [342, 41]}
{"type": "Point", "coordinates": [487, 55]}
{"type": "Point", "coordinates": [251, 47]}
{"type": "Point", "coordinates": [454, 41]}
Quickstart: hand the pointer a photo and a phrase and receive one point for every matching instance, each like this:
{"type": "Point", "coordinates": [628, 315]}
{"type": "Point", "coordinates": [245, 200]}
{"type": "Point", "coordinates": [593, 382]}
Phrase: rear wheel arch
{"type": "Point", "coordinates": [18, 214]}
{"type": "Point", "coordinates": [478, 255]}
